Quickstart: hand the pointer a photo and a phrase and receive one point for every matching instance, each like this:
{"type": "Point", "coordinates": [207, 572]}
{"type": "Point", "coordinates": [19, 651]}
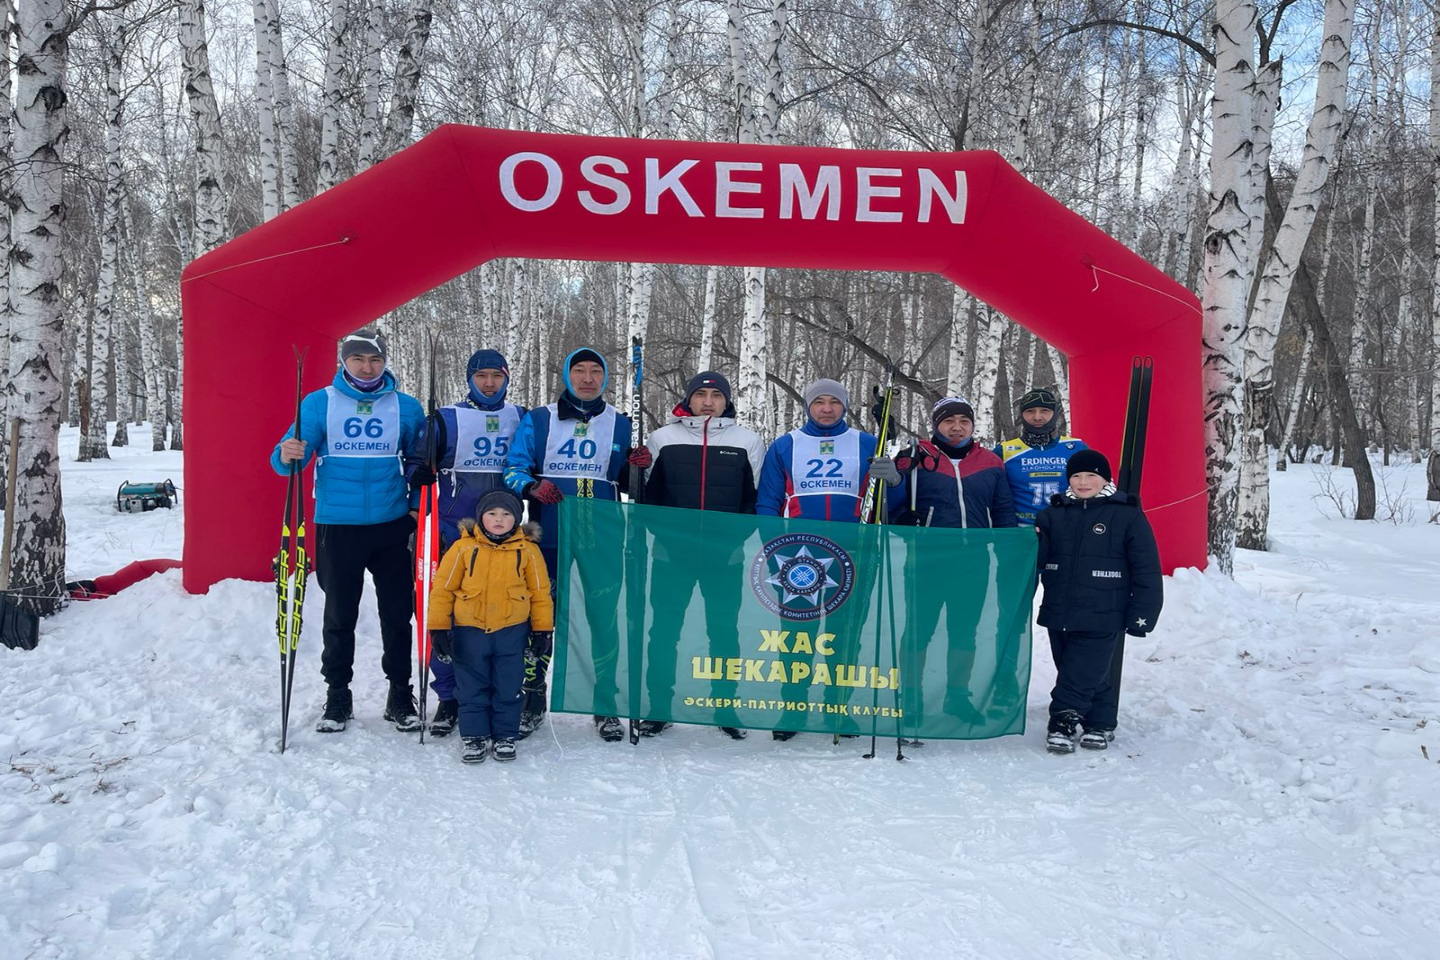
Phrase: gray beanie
{"type": "Point", "coordinates": [827, 388]}
{"type": "Point", "coordinates": [364, 342]}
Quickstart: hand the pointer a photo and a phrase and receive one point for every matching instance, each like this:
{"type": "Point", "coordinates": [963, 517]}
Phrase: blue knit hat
{"type": "Point", "coordinates": [487, 360]}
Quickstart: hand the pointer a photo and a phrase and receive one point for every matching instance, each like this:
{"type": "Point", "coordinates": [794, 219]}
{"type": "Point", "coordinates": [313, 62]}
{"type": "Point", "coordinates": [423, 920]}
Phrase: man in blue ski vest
{"type": "Point", "coordinates": [472, 442]}
{"type": "Point", "coordinates": [820, 472]}
{"type": "Point", "coordinates": [1035, 460]}
{"type": "Point", "coordinates": [360, 430]}
{"type": "Point", "coordinates": [578, 446]}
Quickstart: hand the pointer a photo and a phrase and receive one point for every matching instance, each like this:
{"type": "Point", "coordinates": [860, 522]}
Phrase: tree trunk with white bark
{"type": "Point", "coordinates": [405, 90]}
{"type": "Point", "coordinates": [374, 44]}
{"type": "Point", "coordinates": [1227, 256]}
{"type": "Point", "coordinates": [1263, 331]}
{"type": "Point", "coordinates": [38, 227]}
{"type": "Point", "coordinates": [333, 106]}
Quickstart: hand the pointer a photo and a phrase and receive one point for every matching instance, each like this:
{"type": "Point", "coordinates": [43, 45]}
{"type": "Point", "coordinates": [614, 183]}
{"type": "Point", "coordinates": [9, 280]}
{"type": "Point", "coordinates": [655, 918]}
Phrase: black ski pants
{"type": "Point", "coordinates": [344, 553]}
{"type": "Point", "coordinates": [1087, 677]}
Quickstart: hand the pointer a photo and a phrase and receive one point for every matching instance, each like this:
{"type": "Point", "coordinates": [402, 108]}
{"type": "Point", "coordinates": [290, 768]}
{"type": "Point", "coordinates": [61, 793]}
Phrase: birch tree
{"type": "Point", "coordinates": [755, 411]}
{"type": "Point", "coordinates": [1263, 330]}
{"type": "Point", "coordinates": [334, 99]}
{"type": "Point", "coordinates": [265, 111]}
{"type": "Point", "coordinates": [406, 88]}
{"type": "Point", "coordinates": [93, 446]}
{"type": "Point", "coordinates": [210, 203]}
{"type": "Point", "coordinates": [1360, 333]}
{"type": "Point", "coordinates": [1432, 467]}
{"type": "Point", "coordinates": [38, 227]}
{"type": "Point", "coordinates": [370, 131]}
{"type": "Point", "coordinates": [1227, 254]}
{"type": "Point", "coordinates": [7, 203]}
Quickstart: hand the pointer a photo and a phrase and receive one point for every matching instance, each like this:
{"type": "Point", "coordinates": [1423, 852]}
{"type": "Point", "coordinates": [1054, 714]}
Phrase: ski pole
{"type": "Point", "coordinates": [636, 572]}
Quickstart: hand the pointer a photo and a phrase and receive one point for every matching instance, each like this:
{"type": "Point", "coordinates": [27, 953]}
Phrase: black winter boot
{"type": "Point", "coordinates": [609, 729]}
{"type": "Point", "coordinates": [446, 714]}
{"type": "Point", "coordinates": [400, 708]}
{"type": "Point", "coordinates": [651, 728]}
{"type": "Point", "coordinates": [1064, 727]}
{"type": "Point", "coordinates": [338, 709]}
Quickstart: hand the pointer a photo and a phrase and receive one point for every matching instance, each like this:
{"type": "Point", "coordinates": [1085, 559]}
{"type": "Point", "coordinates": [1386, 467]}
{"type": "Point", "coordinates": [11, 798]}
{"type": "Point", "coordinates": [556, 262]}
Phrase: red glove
{"type": "Point", "coordinates": [545, 492]}
{"type": "Point", "coordinates": [640, 457]}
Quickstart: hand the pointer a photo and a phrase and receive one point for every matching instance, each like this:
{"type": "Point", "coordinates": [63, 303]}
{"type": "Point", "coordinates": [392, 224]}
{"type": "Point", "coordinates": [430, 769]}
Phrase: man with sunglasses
{"type": "Point", "coordinates": [1035, 460]}
{"type": "Point", "coordinates": [360, 430]}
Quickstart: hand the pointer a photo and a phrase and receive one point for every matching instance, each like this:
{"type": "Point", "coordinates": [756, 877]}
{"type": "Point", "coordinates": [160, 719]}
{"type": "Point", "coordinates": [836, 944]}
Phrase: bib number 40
{"type": "Point", "coordinates": [585, 449]}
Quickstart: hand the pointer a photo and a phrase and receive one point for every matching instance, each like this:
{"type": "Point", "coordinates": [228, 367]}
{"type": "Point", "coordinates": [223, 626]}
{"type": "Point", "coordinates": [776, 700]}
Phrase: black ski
{"type": "Point", "coordinates": [1137, 421]}
{"type": "Point", "coordinates": [291, 565]}
{"type": "Point", "coordinates": [873, 510]}
{"type": "Point", "coordinates": [637, 495]}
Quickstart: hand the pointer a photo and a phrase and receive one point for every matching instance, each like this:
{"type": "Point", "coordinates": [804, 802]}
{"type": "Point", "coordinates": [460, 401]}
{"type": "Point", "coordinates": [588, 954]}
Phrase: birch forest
{"type": "Point", "coordinates": [1279, 159]}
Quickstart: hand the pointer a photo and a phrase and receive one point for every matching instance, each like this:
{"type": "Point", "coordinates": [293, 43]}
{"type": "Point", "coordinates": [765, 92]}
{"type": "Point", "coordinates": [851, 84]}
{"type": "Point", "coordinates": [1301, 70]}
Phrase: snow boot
{"type": "Point", "coordinates": [504, 750]}
{"type": "Point", "coordinates": [338, 709]}
{"type": "Point", "coordinates": [400, 708]}
{"type": "Point", "coordinates": [476, 749]}
{"type": "Point", "coordinates": [652, 728]}
{"type": "Point", "coordinates": [734, 733]}
{"type": "Point", "coordinates": [782, 735]}
{"type": "Point", "coordinates": [530, 721]}
{"type": "Point", "coordinates": [446, 714]}
{"type": "Point", "coordinates": [1096, 739]}
{"type": "Point", "coordinates": [609, 729]}
{"type": "Point", "coordinates": [1062, 732]}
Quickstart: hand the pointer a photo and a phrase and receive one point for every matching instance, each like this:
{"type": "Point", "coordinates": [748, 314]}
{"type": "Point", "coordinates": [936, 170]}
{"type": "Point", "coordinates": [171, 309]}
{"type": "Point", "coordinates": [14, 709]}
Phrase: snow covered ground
{"type": "Point", "coordinates": [1269, 795]}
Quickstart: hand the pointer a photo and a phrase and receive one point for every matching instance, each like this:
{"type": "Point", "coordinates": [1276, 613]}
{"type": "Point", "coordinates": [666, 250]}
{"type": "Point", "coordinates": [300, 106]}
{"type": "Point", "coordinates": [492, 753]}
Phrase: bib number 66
{"type": "Point", "coordinates": [374, 428]}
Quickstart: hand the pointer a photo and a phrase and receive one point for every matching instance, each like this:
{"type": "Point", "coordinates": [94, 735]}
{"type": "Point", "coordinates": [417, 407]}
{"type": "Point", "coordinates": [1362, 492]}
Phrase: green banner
{"type": "Point", "coordinates": [781, 624]}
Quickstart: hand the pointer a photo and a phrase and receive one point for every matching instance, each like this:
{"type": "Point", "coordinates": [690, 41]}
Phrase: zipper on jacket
{"type": "Point", "coordinates": [704, 457]}
{"type": "Point", "coordinates": [960, 494]}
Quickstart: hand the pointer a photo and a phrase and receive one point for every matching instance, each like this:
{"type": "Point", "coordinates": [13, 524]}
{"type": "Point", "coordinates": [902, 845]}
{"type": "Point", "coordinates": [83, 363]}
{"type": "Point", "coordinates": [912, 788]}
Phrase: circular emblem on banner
{"type": "Point", "coordinates": [1099, 528]}
{"type": "Point", "coordinates": [801, 576]}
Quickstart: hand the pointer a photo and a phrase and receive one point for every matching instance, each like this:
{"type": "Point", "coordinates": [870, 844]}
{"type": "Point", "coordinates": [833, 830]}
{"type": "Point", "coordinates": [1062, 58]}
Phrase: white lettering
{"type": "Point", "coordinates": [954, 203]}
{"type": "Point", "coordinates": [793, 186]}
{"type": "Point", "coordinates": [591, 175]}
{"type": "Point", "coordinates": [867, 191]}
{"type": "Point", "coordinates": [724, 187]}
{"type": "Point", "coordinates": [554, 179]}
{"type": "Point", "coordinates": [655, 185]}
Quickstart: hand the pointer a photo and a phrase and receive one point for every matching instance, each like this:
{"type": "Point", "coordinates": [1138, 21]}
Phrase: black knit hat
{"type": "Point", "coordinates": [949, 407]}
{"type": "Point", "coordinates": [1088, 461]}
{"type": "Point", "coordinates": [1039, 397]}
{"type": "Point", "coordinates": [584, 354]}
{"type": "Point", "coordinates": [364, 342]}
{"type": "Point", "coordinates": [502, 498]}
{"type": "Point", "coordinates": [707, 378]}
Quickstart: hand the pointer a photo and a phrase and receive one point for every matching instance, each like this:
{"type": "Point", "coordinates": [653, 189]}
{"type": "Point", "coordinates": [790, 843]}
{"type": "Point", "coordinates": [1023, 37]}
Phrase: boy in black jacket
{"type": "Point", "coordinates": [1101, 571]}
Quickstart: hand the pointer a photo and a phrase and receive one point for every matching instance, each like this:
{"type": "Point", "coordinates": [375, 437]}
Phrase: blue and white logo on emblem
{"type": "Point", "coordinates": [801, 576]}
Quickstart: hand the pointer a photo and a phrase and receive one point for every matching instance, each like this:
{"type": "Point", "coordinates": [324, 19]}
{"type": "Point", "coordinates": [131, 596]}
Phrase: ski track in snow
{"type": "Point", "coordinates": [1267, 795]}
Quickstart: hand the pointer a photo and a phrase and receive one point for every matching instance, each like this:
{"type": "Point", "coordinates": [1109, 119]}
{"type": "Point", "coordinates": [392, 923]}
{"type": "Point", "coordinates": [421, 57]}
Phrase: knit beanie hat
{"type": "Point", "coordinates": [827, 388]}
{"type": "Point", "coordinates": [1038, 397]}
{"type": "Point", "coordinates": [949, 407]}
{"type": "Point", "coordinates": [499, 498]}
{"type": "Point", "coordinates": [487, 360]}
{"type": "Point", "coordinates": [707, 378]}
{"type": "Point", "coordinates": [1088, 461]}
{"type": "Point", "coordinates": [363, 342]}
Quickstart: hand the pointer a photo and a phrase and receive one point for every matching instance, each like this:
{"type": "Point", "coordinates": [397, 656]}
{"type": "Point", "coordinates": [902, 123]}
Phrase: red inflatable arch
{"type": "Point", "coordinates": [465, 195]}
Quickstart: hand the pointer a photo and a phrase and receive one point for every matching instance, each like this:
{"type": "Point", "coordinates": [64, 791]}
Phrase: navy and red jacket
{"type": "Point", "coordinates": [952, 487]}
{"type": "Point", "coordinates": [704, 463]}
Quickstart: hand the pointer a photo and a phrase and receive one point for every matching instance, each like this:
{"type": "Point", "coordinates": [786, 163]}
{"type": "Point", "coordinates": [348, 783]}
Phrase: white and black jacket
{"type": "Point", "coordinates": [704, 463]}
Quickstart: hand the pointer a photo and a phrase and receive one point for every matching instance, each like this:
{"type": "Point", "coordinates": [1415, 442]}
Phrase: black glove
{"type": "Point", "coordinates": [1138, 626]}
{"type": "Point", "coordinates": [916, 458]}
{"type": "Point", "coordinates": [440, 644]}
{"type": "Point", "coordinates": [877, 410]}
{"type": "Point", "coordinates": [421, 476]}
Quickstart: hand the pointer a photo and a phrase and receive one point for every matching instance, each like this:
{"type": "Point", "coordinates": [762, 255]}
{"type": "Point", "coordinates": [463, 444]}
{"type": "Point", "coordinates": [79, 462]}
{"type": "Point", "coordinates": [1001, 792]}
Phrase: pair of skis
{"type": "Point", "coordinates": [873, 510]}
{"type": "Point", "coordinates": [427, 545]}
{"type": "Point", "coordinates": [292, 567]}
{"type": "Point", "coordinates": [636, 571]}
{"type": "Point", "coordinates": [1137, 422]}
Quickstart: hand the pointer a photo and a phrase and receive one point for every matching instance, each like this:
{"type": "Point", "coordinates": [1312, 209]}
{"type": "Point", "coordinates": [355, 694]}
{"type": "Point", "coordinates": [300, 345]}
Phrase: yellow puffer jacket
{"type": "Point", "coordinates": [492, 585]}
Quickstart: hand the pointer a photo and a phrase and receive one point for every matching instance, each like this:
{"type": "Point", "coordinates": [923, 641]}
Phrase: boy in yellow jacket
{"type": "Point", "coordinates": [490, 595]}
